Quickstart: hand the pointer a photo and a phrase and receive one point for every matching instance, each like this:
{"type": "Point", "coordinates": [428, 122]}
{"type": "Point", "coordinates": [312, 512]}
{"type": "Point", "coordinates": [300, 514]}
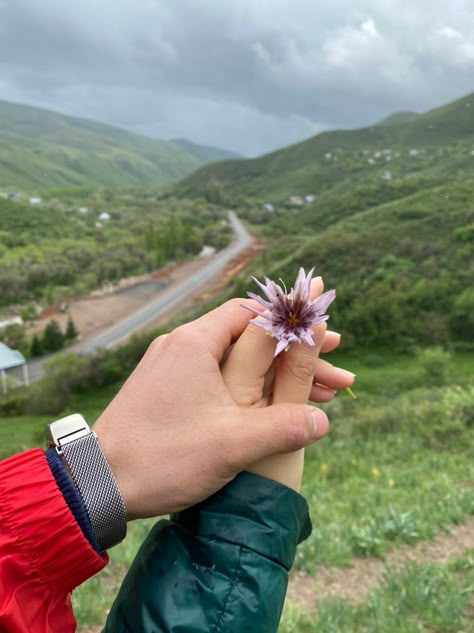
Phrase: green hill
{"type": "Point", "coordinates": [40, 149]}
{"type": "Point", "coordinates": [436, 143]}
{"type": "Point", "coordinates": [398, 117]}
{"type": "Point", "coordinates": [403, 269]}
{"type": "Point", "coordinates": [385, 213]}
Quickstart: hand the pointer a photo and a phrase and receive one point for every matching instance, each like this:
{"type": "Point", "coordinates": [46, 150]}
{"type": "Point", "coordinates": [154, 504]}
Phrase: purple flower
{"type": "Point", "coordinates": [290, 317]}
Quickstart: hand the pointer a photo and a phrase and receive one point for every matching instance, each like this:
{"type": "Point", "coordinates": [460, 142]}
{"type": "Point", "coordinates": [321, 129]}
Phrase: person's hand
{"type": "Point", "coordinates": [255, 380]}
{"type": "Point", "coordinates": [174, 435]}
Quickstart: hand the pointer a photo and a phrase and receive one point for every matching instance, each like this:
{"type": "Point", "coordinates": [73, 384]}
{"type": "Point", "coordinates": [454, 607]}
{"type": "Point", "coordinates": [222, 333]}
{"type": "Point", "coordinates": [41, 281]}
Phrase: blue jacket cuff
{"type": "Point", "coordinates": [71, 496]}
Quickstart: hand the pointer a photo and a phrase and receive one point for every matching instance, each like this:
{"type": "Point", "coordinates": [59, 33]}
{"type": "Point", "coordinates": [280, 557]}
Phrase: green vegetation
{"type": "Point", "coordinates": [396, 467]}
{"type": "Point", "coordinates": [422, 598]}
{"type": "Point", "coordinates": [401, 270]}
{"type": "Point", "coordinates": [78, 241]}
{"type": "Point", "coordinates": [434, 145]}
{"type": "Point", "coordinates": [385, 214]}
{"type": "Point", "coordinates": [40, 149]}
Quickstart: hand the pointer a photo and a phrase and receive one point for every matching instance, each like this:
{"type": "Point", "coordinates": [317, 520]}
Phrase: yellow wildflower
{"type": "Point", "coordinates": [375, 472]}
{"type": "Point", "coordinates": [354, 462]}
{"type": "Point", "coordinates": [324, 468]}
{"type": "Point", "coordinates": [391, 483]}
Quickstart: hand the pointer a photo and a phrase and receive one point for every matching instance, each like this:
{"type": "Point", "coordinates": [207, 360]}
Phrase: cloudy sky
{"type": "Point", "coordinates": [246, 75]}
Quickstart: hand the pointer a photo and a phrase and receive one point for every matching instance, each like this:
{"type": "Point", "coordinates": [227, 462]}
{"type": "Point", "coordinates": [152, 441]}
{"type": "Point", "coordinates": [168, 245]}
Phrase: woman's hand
{"type": "Point", "coordinates": [255, 379]}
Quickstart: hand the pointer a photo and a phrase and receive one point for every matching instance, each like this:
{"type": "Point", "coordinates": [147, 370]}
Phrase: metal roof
{"type": "Point", "coordinates": [10, 358]}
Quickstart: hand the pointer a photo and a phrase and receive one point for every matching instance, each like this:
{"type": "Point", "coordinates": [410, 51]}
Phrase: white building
{"type": "Point", "coordinates": [207, 251]}
{"type": "Point", "coordinates": [35, 201]}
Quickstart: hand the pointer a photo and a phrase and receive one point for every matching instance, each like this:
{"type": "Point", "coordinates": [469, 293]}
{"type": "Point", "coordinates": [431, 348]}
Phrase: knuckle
{"type": "Point", "coordinates": [156, 343]}
{"type": "Point", "coordinates": [301, 368]}
{"type": "Point", "coordinates": [182, 337]}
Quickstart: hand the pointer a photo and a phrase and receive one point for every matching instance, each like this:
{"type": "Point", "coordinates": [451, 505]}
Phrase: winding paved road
{"type": "Point", "coordinates": [166, 300]}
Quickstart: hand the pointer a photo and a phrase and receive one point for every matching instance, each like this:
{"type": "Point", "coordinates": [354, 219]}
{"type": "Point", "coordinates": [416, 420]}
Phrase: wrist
{"type": "Point", "coordinates": [286, 468]}
{"type": "Point", "coordinates": [87, 466]}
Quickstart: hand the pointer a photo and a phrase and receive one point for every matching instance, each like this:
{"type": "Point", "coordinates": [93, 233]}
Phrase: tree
{"type": "Point", "coordinates": [14, 336]}
{"type": "Point", "coordinates": [53, 338]}
{"type": "Point", "coordinates": [36, 348]}
{"type": "Point", "coordinates": [71, 331]}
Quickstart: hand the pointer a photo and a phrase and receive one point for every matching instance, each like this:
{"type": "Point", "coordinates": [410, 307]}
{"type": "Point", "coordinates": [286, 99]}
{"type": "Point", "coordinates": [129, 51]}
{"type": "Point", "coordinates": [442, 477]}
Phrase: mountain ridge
{"type": "Point", "coordinates": [41, 148]}
{"type": "Point", "coordinates": [318, 162]}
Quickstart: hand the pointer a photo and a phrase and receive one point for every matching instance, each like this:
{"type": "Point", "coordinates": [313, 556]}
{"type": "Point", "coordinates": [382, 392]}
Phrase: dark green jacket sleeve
{"type": "Point", "coordinates": [218, 567]}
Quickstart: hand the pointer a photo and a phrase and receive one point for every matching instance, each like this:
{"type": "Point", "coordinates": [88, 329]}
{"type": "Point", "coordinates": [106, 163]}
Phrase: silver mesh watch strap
{"type": "Point", "coordinates": [86, 463]}
{"type": "Point", "coordinates": [98, 488]}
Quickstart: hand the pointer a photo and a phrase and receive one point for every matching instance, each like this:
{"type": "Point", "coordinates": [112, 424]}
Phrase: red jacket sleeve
{"type": "Point", "coordinates": [43, 552]}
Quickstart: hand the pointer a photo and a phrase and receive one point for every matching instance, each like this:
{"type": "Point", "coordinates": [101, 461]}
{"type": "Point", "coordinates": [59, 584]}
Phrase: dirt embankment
{"type": "Point", "coordinates": [354, 584]}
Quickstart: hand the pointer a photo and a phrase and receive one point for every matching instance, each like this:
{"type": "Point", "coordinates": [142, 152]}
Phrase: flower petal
{"type": "Point", "coordinates": [281, 345]}
{"type": "Point", "coordinates": [266, 314]}
{"type": "Point", "coordinates": [268, 290]}
{"type": "Point", "coordinates": [262, 302]}
{"type": "Point", "coordinates": [307, 337]}
{"type": "Point", "coordinates": [263, 325]}
{"type": "Point", "coordinates": [307, 283]}
{"type": "Point", "coordinates": [322, 303]}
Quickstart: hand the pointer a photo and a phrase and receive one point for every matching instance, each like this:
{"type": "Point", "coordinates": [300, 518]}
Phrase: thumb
{"type": "Point", "coordinates": [279, 428]}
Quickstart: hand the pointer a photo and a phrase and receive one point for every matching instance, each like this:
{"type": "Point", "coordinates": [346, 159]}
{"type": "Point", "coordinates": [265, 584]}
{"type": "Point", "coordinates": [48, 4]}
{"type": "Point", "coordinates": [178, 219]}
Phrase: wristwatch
{"type": "Point", "coordinates": [85, 462]}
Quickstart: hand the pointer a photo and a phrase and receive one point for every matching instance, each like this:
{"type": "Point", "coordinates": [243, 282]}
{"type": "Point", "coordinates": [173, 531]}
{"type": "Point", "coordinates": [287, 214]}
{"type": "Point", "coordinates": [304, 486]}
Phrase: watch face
{"type": "Point", "coordinates": [67, 429]}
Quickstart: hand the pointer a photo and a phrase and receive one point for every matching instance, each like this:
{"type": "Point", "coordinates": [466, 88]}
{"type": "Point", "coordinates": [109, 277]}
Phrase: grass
{"type": "Point", "coordinates": [396, 467]}
{"type": "Point", "coordinates": [366, 498]}
{"type": "Point", "coordinates": [422, 598]}
{"type": "Point", "coordinates": [20, 433]}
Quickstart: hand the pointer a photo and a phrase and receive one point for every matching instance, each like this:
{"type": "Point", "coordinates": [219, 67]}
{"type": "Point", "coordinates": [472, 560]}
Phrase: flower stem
{"type": "Point", "coordinates": [350, 393]}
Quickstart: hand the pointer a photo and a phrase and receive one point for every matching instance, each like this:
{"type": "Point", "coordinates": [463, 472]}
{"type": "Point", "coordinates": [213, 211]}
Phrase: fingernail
{"type": "Point", "coordinates": [320, 422]}
{"type": "Point", "coordinates": [343, 373]}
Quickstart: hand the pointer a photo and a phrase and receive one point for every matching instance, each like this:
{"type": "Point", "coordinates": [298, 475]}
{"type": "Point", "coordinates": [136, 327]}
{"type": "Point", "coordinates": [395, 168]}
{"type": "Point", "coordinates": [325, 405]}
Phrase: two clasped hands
{"type": "Point", "coordinates": [208, 401]}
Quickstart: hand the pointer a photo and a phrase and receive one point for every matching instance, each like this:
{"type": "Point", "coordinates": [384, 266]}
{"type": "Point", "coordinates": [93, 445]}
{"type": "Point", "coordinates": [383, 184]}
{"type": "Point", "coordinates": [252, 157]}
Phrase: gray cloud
{"type": "Point", "coordinates": [249, 75]}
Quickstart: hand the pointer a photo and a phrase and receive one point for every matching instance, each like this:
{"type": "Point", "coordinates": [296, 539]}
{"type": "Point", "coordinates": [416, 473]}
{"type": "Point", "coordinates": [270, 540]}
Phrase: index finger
{"type": "Point", "coordinates": [224, 325]}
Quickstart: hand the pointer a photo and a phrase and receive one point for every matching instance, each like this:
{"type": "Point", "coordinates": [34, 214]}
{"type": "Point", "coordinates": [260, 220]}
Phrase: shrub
{"type": "Point", "coordinates": [64, 375]}
{"type": "Point", "coordinates": [433, 363]}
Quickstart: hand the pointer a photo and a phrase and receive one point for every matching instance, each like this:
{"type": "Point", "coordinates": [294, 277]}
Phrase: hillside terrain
{"type": "Point", "coordinates": [386, 214]}
{"type": "Point", "coordinates": [435, 144]}
{"type": "Point", "coordinates": [76, 241]}
{"type": "Point", "coordinates": [40, 149]}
